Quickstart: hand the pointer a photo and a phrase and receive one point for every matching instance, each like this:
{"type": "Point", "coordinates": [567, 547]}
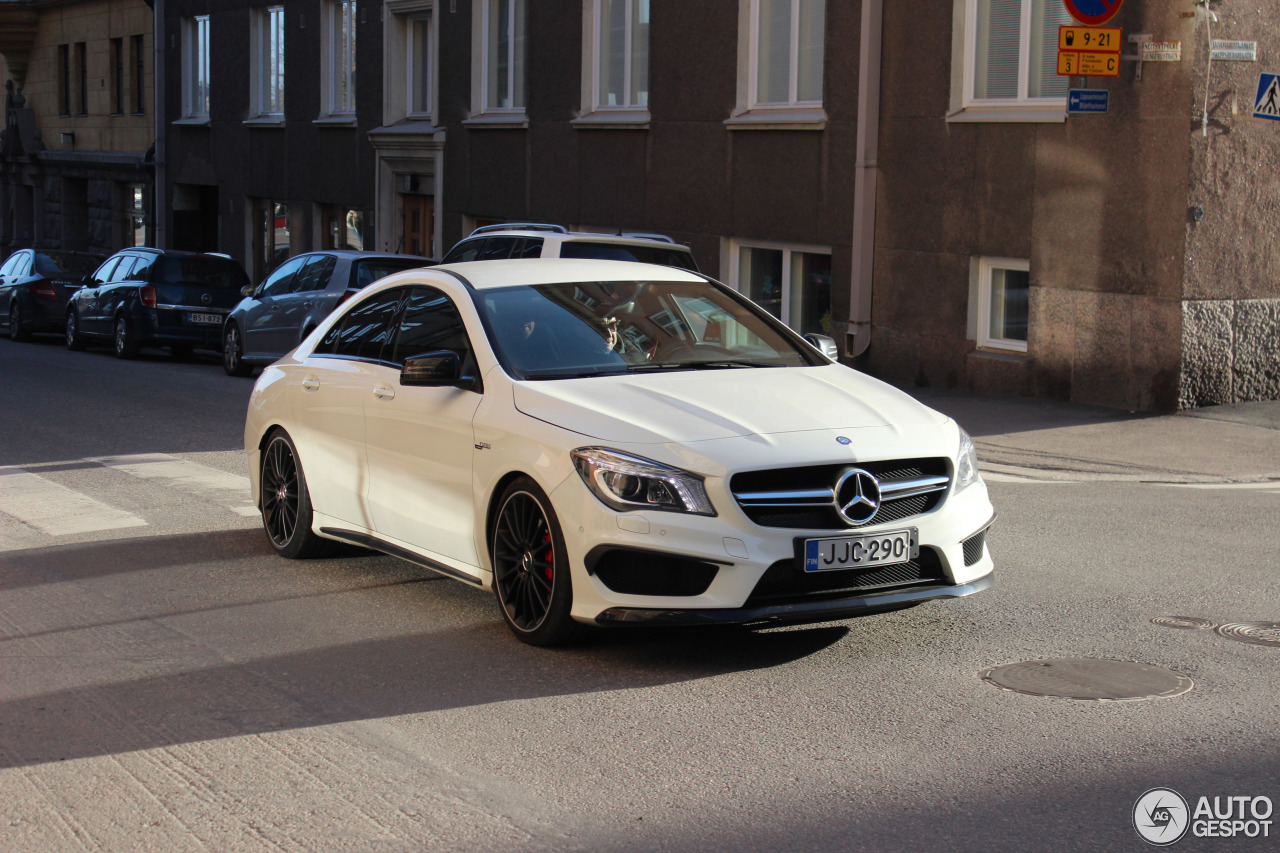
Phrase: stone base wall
{"type": "Point", "coordinates": [1230, 351]}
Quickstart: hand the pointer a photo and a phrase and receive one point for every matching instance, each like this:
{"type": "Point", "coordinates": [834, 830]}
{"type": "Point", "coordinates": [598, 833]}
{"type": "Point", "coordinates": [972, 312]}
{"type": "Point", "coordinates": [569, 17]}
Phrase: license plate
{"type": "Point", "coordinates": [211, 319]}
{"type": "Point", "coordinates": [860, 552]}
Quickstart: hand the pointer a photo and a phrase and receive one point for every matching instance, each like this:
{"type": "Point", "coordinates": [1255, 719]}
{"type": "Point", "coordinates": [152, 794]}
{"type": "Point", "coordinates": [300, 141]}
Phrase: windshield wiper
{"type": "Point", "coordinates": [696, 365]}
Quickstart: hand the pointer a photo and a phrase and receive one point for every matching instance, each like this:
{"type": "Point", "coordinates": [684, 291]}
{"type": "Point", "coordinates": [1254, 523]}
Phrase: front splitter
{"type": "Point", "coordinates": [807, 611]}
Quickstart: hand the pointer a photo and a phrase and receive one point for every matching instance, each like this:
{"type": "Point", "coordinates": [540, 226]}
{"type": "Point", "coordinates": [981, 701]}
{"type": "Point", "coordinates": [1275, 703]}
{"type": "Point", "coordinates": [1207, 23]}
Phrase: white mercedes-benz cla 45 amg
{"type": "Point", "coordinates": [612, 443]}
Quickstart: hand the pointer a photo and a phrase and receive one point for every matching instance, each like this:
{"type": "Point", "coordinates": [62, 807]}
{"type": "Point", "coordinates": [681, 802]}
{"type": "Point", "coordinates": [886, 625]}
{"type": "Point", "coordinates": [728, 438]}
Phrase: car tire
{"type": "Point", "coordinates": [286, 503]}
{"type": "Point", "coordinates": [531, 567]}
{"type": "Point", "coordinates": [75, 340]}
{"type": "Point", "coordinates": [17, 331]}
{"type": "Point", "coordinates": [126, 344]}
{"type": "Point", "coordinates": [233, 352]}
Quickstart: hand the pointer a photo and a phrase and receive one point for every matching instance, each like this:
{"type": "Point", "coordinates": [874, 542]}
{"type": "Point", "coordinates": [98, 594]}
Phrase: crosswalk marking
{"type": "Point", "coordinates": [55, 509]}
{"type": "Point", "coordinates": [231, 490]}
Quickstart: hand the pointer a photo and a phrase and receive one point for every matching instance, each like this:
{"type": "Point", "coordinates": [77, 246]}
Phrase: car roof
{"type": "Point", "coordinates": [483, 275]}
{"type": "Point", "coordinates": [579, 236]}
{"type": "Point", "coordinates": [357, 254]}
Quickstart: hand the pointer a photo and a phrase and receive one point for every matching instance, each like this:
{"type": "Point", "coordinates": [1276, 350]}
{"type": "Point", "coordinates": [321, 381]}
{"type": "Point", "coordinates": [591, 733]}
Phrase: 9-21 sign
{"type": "Point", "coordinates": [1089, 51]}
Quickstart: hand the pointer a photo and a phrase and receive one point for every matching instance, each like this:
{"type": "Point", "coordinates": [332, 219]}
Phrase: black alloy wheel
{"type": "Point", "coordinates": [286, 504]}
{"type": "Point", "coordinates": [75, 341]}
{"type": "Point", "coordinates": [16, 330]}
{"type": "Point", "coordinates": [125, 343]}
{"type": "Point", "coordinates": [531, 567]}
{"type": "Point", "coordinates": [233, 352]}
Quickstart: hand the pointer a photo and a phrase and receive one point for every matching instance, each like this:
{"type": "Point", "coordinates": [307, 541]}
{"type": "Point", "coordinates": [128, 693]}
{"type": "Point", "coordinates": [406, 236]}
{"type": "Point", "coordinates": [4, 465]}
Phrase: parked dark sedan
{"type": "Point", "coordinates": [274, 317]}
{"type": "Point", "coordinates": [35, 287]}
{"type": "Point", "coordinates": [153, 297]}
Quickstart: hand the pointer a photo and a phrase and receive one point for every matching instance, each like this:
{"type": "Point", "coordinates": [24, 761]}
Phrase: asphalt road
{"type": "Point", "coordinates": [167, 683]}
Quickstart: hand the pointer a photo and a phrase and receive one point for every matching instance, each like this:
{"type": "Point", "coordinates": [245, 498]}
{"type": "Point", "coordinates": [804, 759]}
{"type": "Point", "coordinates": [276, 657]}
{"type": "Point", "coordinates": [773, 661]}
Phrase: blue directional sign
{"type": "Point", "coordinates": [1088, 100]}
{"type": "Point", "coordinates": [1267, 104]}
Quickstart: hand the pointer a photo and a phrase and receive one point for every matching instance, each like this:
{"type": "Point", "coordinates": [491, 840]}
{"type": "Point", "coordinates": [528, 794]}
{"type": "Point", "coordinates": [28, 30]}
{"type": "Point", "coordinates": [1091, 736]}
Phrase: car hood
{"type": "Point", "coordinates": [704, 405]}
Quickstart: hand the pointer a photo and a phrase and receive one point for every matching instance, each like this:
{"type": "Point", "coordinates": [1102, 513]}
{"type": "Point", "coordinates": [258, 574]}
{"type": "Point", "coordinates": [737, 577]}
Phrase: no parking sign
{"type": "Point", "coordinates": [1093, 13]}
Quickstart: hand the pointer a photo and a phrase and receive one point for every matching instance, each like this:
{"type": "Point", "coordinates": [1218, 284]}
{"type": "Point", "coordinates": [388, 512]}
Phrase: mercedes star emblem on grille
{"type": "Point", "coordinates": [857, 496]}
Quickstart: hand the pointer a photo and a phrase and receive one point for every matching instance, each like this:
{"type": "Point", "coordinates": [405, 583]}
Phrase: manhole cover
{"type": "Point", "coordinates": [1256, 633]}
{"type": "Point", "coordinates": [1085, 678]}
{"type": "Point", "coordinates": [1187, 623]}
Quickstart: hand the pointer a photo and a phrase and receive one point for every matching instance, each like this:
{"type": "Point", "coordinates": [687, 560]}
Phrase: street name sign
{"type": "Point", "coordinates": [1267, 104]}
{"type": "Point", "coordinates": [1093, 13]}
{"type": "Point", "coordinates": [1089, 51]}
{"type": "Point", "coordinates": [1088, 101]}
{"type": "Point", "coordinates": [1233, 51]}
{"type": "Point", "coordinates": [1161, 51]}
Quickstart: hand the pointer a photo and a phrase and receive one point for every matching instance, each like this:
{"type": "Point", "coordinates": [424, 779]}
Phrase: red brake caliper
{"type": "Point", "coordinates": [550, 557]}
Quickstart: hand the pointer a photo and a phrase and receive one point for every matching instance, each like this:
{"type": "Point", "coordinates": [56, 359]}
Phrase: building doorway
{"type": "Point", "coordinates": [419, 224]}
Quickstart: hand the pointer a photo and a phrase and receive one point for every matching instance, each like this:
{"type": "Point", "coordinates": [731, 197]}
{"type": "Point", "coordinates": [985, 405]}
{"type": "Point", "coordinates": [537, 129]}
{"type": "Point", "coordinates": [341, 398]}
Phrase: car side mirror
{"type": "Point", "coordinates": [825, 345]}
{"type": "Point", "coordinates": [438, 369]}
{"type": "Point", "coordinates": [247, 290]}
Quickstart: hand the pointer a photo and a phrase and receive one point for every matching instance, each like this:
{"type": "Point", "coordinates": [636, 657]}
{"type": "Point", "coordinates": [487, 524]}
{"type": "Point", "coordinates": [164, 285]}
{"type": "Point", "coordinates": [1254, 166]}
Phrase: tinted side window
{"type": "Point", "coordinates": [619, 252]}
{"type": "Point", "coordinates": [315, 275]}
{"type": "Point", "coordinates": [497, 248]}
{"type": "Point", "coordinates": [532, 248]}
{"type": "Point", "coordinates": [464, 251]}
{"type": "Point", "coordinates": [143, 270]}
{"type": "Point", "coordinates": [7, 268]}
{"type": "Point", "coordinates": [103, 273]}
{"type": "Point", "coordinates": [279, 282]}
{"type": "Point", "coordinates": [430, 322]}
{"type": "Point", "coordinates": [124, 269]}
{"type": "Point", "coordinates": [364, 329]}
{"type": "Point", "coordinates": [370, 270]}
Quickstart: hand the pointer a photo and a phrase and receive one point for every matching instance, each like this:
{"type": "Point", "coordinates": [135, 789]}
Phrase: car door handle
{"type": "Point", "coordinates": [275, 307]}
{"type": "Point", "coordinates": [306, 305]}
{"type": "Point", "coordinates": [382, 392]}
{"type": "Point", "coordinates": [311, 383]}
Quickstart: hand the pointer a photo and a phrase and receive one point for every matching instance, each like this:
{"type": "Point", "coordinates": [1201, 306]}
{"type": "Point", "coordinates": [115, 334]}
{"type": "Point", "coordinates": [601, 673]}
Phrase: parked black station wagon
{"type": "Point", "coordinates": [151, 297]}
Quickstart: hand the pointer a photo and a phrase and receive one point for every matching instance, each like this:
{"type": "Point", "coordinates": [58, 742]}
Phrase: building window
{"type": "Point", "coordinates": [267, 73]}
{"type": "Point", "coordinates": [341, 228]}
{"type": "Point", "coordinates": [135, 215]}
{"type": "Point", "coordinates": [1010, 56]}
{"type": "Point", "coordinates": [271, 241]}
{"type": "Point", "coordinates": [1004, 285]}
{"type": "Point", "coordinates": [340, 58]}
{"type": "Point", "coordinates": [409, 77]}
{"type": "Point", "coordinates": [117, 77]}
{"type": "Point", "coordinates": [503, 52]}
{"type": "Point", "coordinates": [64, 79]}
{"type": "Point", "coordinates": [619, 54]}
{"type": "Point", "coordinates": [195, 67]}
{"type": "Point", "coordinates": [793, 283]}
{"type": "Point", "coordinates": [139, 84]}
{"type": "Point", "coordinates": [82, 69]}
{"type": "Point", "coordinates": [786, 52]}
{"type": "Point", "coordinates": [420, 66]}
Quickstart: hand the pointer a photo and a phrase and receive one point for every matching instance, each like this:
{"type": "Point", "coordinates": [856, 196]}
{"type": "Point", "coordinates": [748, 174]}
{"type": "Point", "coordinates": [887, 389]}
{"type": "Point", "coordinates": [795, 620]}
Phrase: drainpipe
{"type": "Point", "coordinates": [864, 188]}
{"type": "Point", "coordinates": [159, 195]}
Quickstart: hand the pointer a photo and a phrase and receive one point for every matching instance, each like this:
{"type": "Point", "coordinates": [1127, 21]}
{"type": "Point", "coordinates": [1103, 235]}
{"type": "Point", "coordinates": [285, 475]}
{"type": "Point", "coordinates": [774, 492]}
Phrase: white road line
{"type": "Point", "coordinates": [231, 490]}
{"type": "Point", "coordinates": [55, 509]}
{"type": "Point", "coordinates": [1273, 487]}
{"type": "Point", "coordinates": [996, 477]}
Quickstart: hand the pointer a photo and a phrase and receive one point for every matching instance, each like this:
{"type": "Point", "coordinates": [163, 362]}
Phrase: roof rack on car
{"type": "Point", "coordinates": [642, 236]}
{"type": "Point", "coordinates": [520, 226]}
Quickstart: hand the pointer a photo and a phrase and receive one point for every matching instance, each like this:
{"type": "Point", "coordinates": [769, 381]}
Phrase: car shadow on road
{"type": "Point", "coordinates": [471, 659]}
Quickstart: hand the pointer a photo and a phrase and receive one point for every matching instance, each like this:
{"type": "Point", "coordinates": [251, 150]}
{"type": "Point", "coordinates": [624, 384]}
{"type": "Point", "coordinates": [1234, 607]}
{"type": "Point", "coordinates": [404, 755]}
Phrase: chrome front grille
{"type": "Point", "coordinates": [804, 498]}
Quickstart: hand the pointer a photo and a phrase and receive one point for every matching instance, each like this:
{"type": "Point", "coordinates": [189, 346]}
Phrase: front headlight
{"type": "Point", "coordinates": [966, 462]}
{"type": "Point", "coordinates": [624, 482]}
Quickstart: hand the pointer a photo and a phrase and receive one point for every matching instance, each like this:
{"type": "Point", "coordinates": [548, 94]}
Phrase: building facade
{"type": "Point", "coordinates": [76, 168]}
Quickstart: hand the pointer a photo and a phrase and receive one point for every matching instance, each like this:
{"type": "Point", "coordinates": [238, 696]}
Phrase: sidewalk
{"type": "Point", "coordinates": [1021, 438]}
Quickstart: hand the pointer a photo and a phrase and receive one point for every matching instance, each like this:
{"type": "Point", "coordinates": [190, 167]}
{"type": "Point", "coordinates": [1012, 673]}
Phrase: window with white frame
{"type": "Point", "coordinates": [410, 39]}
{"type": "Point", "coordinates": [1010, 54]}
{"type": "Point", "coordinates": [618, 54]}
{"type": "Point", "coordinates": [339, 58]}
{"type": "Point", "coordinates": [793, 283]}
{"type": "Point", "coordinates": [502, 68]}
{"type": "Point", "coordinates": [786, 51]}
{"type": "Point", "coordinates": [195, 67]}
{"type": "Point", "coordinates": [1004, 289]}
{"type": "Point", "coordinates": [420, 39]}
{"type": "Point", "coordinates": [267, 70]}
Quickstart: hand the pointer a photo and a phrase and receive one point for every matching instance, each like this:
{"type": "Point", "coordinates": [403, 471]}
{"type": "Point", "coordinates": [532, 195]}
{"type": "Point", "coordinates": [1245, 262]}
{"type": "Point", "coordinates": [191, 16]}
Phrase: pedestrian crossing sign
{"type": "Point", "coordinates": [1267, 104]}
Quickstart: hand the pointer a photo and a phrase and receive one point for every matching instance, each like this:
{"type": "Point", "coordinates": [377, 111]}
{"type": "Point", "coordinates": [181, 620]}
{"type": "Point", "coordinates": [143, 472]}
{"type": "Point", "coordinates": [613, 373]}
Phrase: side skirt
{"type": "Point", "coordinates": [377, 544]}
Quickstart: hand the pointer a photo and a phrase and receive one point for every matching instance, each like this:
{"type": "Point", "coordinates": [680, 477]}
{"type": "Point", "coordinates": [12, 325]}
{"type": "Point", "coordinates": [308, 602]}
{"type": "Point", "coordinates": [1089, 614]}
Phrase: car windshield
{"type": "Point", "coordinates": [213, 273]}
{"type": "Point", "coordinates": [370, 270]}
{"type": "Point", "coordinates": [601, 251]}
{"type": "Point", "coordinates": [561, 331]}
